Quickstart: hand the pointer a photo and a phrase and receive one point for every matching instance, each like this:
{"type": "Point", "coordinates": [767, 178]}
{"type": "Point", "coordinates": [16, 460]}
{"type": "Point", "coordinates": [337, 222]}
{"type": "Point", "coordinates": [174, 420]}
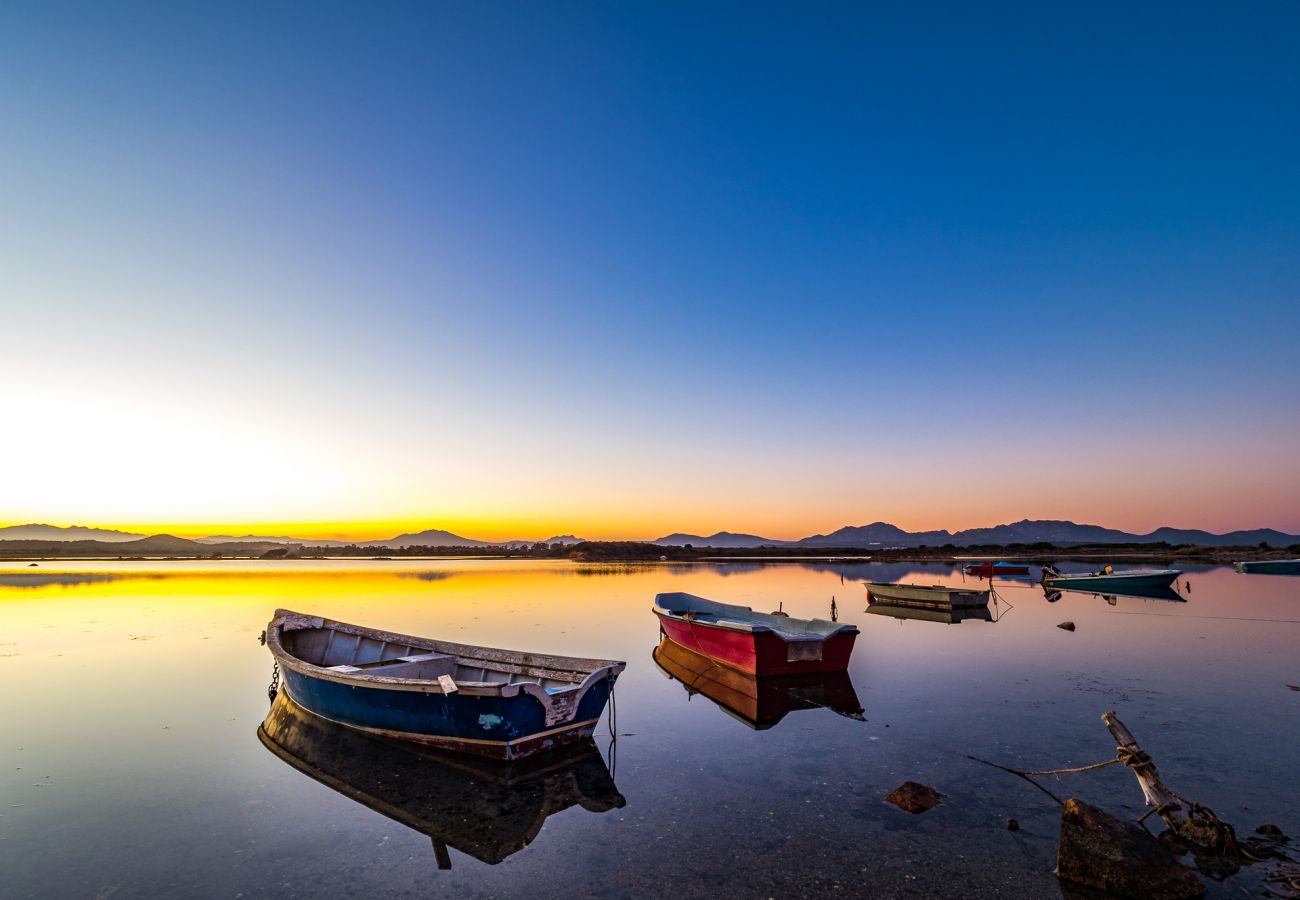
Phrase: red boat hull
{"type": "Point", "coordinates": [761, 653]}
{"type": "Point", "coordinates": [986, 571]}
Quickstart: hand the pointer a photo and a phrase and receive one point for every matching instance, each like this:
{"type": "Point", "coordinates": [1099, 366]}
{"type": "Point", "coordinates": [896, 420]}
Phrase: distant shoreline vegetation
{"type": "Point", "coordinates": [168, 547]}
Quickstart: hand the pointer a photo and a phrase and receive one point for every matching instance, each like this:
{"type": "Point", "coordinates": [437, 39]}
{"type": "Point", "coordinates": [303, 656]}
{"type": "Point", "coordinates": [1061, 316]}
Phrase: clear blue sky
{"type": "Point", "coordinates": [635, 267]}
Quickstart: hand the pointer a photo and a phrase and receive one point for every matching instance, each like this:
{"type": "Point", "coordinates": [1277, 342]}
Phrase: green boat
{"type": "Point", "coordinates": [1270, 567]}
{"type": "Point", "coordinates": [1109, 580]}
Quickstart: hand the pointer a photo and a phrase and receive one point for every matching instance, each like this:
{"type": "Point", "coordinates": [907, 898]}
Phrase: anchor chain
{"type": "Point", "coordinates": [274, 687]}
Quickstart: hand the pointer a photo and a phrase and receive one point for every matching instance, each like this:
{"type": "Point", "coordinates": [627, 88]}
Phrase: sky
{"type": "Point", "coordinates": [619, 270]}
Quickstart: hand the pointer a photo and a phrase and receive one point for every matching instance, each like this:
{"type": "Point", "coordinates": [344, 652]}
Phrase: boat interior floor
{"type": "Point", "coordinates": [359, 654]}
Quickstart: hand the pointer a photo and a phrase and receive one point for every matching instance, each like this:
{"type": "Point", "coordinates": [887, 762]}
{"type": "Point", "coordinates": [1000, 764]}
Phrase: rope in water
{"type": "Point", "coordinates": [1126, 757]}
{"type": "Point", "coordinates": [1109, 762]}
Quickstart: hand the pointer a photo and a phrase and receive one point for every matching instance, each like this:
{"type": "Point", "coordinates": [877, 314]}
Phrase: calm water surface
{"type": "Point", "coordinates": [131, 695]}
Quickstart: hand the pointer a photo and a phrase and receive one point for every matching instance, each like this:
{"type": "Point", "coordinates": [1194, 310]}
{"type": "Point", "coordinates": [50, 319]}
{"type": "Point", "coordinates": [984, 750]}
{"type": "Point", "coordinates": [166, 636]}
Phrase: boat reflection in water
{"type": "Point", "coordinates": [950, 616]}
{"type": "Point", "coordinates": [1112, 596]}
{"type": "Point", "coordinates": [484, 808]}
{"type": "Point", "coordinates": [760, 701]}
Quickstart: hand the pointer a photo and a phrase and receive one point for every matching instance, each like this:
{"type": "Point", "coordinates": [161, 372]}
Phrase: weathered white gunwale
{"type": "Point", "coordinates": [577, 671]}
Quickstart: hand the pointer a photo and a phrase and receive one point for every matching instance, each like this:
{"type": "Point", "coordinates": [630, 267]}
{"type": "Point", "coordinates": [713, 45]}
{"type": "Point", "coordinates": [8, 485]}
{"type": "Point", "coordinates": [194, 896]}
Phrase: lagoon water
{"type": "Point", "coordinates": [131, 695]}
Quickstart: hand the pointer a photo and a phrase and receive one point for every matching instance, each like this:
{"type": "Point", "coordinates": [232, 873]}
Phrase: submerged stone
{"type": "Point", "coordinates": [1068, 626]}
{"type": "Point", "coordinates": [1102, 852]}
{"type": "Point", "coordinates": [913, 797]}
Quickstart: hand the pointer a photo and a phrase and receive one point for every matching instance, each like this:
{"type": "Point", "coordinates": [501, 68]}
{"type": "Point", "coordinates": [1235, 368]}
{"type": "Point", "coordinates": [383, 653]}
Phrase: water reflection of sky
{"type": "Point", "coordinates": [132, 692]}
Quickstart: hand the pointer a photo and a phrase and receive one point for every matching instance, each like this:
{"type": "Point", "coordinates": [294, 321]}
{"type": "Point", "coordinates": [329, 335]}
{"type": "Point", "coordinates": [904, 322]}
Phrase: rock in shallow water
{"type": "Point", "coordinates": [912, 797]}
{"type": "Point", "coordinates": [1068, 626]}
{"type": "Point", "coordinates": [1102, 852]}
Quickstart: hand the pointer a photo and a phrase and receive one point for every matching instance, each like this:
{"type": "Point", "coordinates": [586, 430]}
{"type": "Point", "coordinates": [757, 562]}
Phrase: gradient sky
{"type": "Point", "coordinates": [515, 269]}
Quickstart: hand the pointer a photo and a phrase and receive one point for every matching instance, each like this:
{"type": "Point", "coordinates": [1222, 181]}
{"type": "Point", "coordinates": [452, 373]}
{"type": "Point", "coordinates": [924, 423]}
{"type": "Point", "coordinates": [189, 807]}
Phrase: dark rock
{"type": "Point", "coordinates": [1068, 626]}
{"type": "Point", "coordinates": [1294, 687]}
{"type": "Point", "coordinates": [1102, 852]}
{"type": "Point", "coordinates": [1272, 831]}
{"type": "Point", "coordinates": [912, 797]}
{"type": "Point", "coordinates": [1013, 825]}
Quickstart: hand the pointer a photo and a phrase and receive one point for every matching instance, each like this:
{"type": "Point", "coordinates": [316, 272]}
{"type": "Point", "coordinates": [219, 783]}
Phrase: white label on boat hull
{"type": "Point", "coordinates": [449, 684]}
{"type": "Point", "coordinates": [797, 651]}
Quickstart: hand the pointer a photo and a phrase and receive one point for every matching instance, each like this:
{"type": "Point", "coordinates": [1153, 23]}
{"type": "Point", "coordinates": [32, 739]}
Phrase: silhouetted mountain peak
{"type": "Point", "coordinates": [431, 537]}
{"type": "Point", "coordinates": [718, 539]}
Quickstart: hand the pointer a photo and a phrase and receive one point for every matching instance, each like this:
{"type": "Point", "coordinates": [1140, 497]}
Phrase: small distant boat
{"type": "Point", "coordinates": [484, 808]}
{"type": "Point", "coordinates": [759, 643]}
{"type": "Point", "coordinates": [925, 596]}
{"type": "Point", "coordinates": [759, 701]}
{"type": "Point", "coordinates": [948, 616]}
{"type": "Point", "coordinates": [1108, 580]}
{"type": "Point", "coordinates": [990, 569]}
{"type": "Point", "coordinates": [1270, 567]}
{"type": "Point", "coordinates": [503, 704]}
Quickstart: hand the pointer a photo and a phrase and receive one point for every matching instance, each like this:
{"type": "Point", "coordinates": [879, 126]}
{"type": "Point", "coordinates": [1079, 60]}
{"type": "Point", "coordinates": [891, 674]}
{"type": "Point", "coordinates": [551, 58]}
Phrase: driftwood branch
{"type": "Point", "coordinates": [1162, 800]}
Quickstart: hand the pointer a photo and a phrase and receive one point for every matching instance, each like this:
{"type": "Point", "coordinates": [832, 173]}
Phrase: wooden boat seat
{"type": "Point", "coordinates": [423, 665]}
{"type": "Point", "coordinates": [730, 623]}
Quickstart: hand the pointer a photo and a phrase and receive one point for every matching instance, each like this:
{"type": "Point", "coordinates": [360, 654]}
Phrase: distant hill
{"type": "Point", "coordinates": [70, 533]}
{"type": "Point", "coordinates": [720, 539]}
{"type": "Point", "coordinates": [880, 534]}
{"type": "Point", "coordinates": [1030, 531]}
{"type": "Point", "coordinates": [1232, 538]}
{"type": "Point", "coordinates": [566, 540]}
{"type": "Point", "coordinates": [432, 537]}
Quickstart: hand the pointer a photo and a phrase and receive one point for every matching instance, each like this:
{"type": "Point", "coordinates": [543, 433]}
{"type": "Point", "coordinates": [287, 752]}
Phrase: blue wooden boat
{"type": "Point", "coordinates": [1270, 567]}
{"type": "Point", "coordinates": [1108, 580]}
{"type": "Point", "coordinates": [503, 704]}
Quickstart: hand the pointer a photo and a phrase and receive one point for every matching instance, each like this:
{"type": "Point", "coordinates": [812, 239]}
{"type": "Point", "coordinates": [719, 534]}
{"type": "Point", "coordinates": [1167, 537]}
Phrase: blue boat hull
{"type": "Point", "coordinates": [498, 727]}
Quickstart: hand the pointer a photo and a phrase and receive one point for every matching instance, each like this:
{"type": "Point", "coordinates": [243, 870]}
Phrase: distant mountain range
{"type": "Point", "coordinates": [877, 535]}
{"type": "Point", "coordinates": [432, 537]}
{"type": "Point", "coordinates": [1027, 531]}
{"type": "Point", "coordinates": [155, 545]}
{"type": "Point", "coordinates": [71, 533]}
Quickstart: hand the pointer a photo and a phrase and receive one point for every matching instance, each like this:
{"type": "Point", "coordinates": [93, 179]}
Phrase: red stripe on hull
{"type": "Point", "coordinates": [763, 653]}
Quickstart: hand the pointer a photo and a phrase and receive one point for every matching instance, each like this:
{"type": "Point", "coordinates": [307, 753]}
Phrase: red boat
{"type": "Point", "coordinates": [989, 569]}
{"type": "Point", "coordinates": [754, 642]}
